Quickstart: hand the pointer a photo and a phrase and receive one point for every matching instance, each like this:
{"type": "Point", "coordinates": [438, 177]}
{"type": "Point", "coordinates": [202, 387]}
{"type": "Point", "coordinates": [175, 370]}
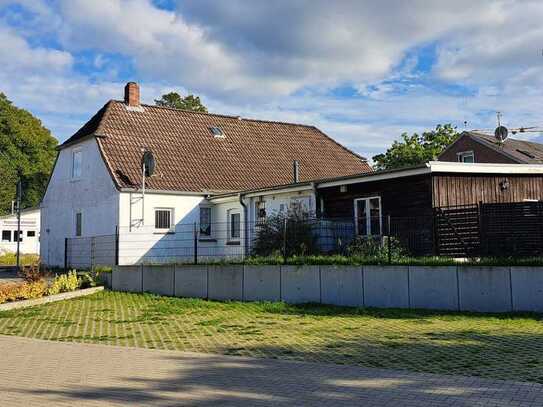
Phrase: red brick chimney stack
{"type": "Point", "coordinates": [132, 94]}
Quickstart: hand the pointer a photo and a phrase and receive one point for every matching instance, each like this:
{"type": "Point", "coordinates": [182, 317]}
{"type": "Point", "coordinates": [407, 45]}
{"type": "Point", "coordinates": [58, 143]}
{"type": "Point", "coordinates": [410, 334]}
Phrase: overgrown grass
{"type": "Point", "coordinates": [10, 259]}
{"type": "Point", "coordinates": [503, 346]}
{"type": "Point", "coordinates": [361, 261]}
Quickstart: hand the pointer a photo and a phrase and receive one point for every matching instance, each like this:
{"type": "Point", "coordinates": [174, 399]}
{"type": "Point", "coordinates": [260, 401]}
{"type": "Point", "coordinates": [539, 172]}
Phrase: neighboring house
{"type": "Point", "coordinates": [473, 147]}
{"type": "Point", "coordinates": [30, 232]}
{"type": "Point", "coordinates": [204, 162]}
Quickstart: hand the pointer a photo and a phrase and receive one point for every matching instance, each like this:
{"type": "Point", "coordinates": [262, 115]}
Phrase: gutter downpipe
{"type": "Point", "coordinates": [246, 228]}
{"type": "Point", "coordinates": [315, 196]}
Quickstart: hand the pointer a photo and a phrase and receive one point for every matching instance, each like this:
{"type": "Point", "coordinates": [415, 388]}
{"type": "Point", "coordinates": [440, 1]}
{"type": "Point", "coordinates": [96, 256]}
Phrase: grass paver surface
{"type": "Point", "coordinates": [495, 346]}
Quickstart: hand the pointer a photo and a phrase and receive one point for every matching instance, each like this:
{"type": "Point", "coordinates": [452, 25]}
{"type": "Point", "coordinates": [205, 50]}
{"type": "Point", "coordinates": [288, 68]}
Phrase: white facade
{"type": "Point", "coordinates": [83, 204]}
{"type": "Point", "coordinates": [87, 190]}
{"type": "Point", "coordinates": [29, 241]}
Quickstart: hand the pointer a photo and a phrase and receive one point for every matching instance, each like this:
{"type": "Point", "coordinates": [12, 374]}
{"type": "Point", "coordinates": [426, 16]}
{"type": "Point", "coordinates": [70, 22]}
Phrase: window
{"type": "Point", "coordinates": [260, 209]}
{"type": "Point", "coordinates": [78, 224]}
{"type": "Point", "coordinates": [466, 157]}
{"type": "Point", "coordinates": [234, 225]}
{"type": "Point", "coordinates": [15, 236]}
{"type": "Point", "coordinates": [367, 213]}
{"type": "Point", "coordinates": [217, 132]}
{"type": "Point", "coordinates": [77, 158]}
{"type": "Point", "coordinates": [6, 235]}
{"type": "Point", "coordinates": [163, 219]}
{"type": "Point", "coordinates": [31, 233]}
{"type": "Point", "coordinates": [205, 221]}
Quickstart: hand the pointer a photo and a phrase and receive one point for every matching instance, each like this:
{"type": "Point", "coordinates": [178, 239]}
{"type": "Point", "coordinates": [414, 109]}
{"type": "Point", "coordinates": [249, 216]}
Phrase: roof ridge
{"type": "Point", "coordinates": [218, 114]}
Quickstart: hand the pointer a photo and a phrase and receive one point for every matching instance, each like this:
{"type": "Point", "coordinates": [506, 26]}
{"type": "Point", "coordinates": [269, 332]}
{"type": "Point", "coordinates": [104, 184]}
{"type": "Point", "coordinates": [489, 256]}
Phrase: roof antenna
{"type": "Point", "coordinates": [498, 116]}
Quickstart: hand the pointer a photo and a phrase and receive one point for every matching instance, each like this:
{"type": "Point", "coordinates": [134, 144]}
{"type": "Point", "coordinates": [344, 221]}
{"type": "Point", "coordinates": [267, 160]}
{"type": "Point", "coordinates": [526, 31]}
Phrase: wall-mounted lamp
{"type": "Point", "coordinates": [504, 185]}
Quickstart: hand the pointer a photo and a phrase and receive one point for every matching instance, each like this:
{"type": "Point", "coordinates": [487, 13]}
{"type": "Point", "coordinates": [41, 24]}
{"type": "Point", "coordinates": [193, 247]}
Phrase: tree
{"type": "Point", "coordinates": [175, 100]}
{"type": "Point", "coordinates": [416, 149]}
{"type": "Point", "coordinates": [26, 149]}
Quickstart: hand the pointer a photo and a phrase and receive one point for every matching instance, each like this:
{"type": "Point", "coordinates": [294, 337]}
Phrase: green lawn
{"type": "Point", "coordinates": [500, 346]}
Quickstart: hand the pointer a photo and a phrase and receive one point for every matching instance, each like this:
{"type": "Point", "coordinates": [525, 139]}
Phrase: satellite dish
{"type": "Point", "coordinates": [501, 133]}
{"type": "Point", "coordinates": [148, 160]}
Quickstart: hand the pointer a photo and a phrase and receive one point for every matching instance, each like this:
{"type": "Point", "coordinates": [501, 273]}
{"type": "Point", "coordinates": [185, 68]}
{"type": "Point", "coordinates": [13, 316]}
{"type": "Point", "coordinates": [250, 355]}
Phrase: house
{"type": "Point", "coordinates": [96, 187]}
{"type": "Point", "coordinates": [30, 232]}
{"type": "Point", "coordinates": [475, 147]}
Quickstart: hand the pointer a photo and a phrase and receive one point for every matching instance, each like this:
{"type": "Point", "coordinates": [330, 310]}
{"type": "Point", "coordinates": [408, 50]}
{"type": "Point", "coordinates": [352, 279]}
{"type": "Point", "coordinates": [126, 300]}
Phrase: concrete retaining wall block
{"type": "Point", "coordinates": [484, 289]}
{"type": "Point", "coordinates": [433, 287]}
{"type": "Point", "coordinates": [342, 285]}
{"type": "Point", "coordinates": [386, 286]}
{"type": "Point", "coordinates": [527, 288]}
{"type": "Point", "coordinates": [191, 281]}
{"type": "Point", "coordinates": [225, 282]}
{"type": "Point", "coordinates": [300, 284]}
{"type": "Point", "coordinates": [262, 283]}
{"type": "Point", "coordinates": [158, 279]}
{"type": "Point", "coordinates": [127, 278]}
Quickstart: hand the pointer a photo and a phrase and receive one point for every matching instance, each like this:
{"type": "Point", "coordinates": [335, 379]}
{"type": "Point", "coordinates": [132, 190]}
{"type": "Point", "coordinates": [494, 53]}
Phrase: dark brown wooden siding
{"type": "Point", "coordinates": [470, 189]}
{"type": "Point", "coordinates": [482, 154]}
{"type": "Point", "coordinates": [406, 196]}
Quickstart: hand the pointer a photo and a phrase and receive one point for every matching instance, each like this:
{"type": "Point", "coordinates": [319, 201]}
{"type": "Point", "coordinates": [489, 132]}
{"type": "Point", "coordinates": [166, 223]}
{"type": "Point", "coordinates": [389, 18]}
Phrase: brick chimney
{"type": "Point", "coordinates": [132, 94]}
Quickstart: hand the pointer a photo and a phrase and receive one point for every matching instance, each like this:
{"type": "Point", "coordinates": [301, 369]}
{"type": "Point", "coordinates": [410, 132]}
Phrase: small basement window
{"type": "Point", "coordinates": [6, 235]}
{"type": "Point", "coordinates": [163, 218]}
{"type": "Point", "coordinates": [31, 233]}
{"type": "Point", "coordinates": [217, 132]}
{"type": "Point", "coordinates": [78, 224]}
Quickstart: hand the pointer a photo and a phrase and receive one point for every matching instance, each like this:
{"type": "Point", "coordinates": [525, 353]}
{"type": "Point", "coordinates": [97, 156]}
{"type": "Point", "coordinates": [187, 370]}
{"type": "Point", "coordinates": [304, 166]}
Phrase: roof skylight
{"type": "Point", "coordinates": [217, 132]}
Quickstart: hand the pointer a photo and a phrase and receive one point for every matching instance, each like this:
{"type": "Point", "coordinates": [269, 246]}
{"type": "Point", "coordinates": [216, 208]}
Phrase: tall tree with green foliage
{"type": "Point", "coordinates": [27, 149]}
{"type": "Point", "coordinates": [175, 100]}
{"type": "Point", "coordinates": [416, 149]}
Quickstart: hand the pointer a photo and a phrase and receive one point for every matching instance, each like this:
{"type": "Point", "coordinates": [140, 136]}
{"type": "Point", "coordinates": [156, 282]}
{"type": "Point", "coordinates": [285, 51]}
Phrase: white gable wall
{"type": "Point", "coordinates": [93, 194]}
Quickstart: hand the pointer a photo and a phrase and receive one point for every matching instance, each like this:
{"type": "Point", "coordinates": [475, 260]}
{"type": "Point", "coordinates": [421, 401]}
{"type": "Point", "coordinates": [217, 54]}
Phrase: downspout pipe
{"type": "Point", "coordinates": [246, 227]}
{"type": "Point", "coordinates": [316, 197]}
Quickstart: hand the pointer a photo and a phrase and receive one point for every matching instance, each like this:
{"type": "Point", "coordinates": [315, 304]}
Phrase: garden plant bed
{"type": "Point", "coordinates": [502, 346]}
{"type": "Point", "coordinates": [49, 298]}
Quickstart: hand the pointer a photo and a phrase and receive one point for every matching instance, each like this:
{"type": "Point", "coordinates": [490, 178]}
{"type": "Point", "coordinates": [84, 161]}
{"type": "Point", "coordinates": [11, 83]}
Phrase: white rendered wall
{"type": "Point", "coordinates": [141, 243]}
{"type": "Point", "coordinates": [30, 222]}
{"type": "Point", "coordinates": [93, 194]}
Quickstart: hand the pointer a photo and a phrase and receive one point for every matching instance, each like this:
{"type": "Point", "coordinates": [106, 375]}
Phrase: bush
{"type": "Point", "coordinates": [33, 272]}
{"type": "Point", "coordinates": [370, 247]}
{"type": "Point", "coordinates": [22, 291]}
{"type": "Point", "coordinates": [64, 283]}
{"type": "Point", "coordinates": [297, 240]}
{"type": "Point", "coordinates": [91, 278]}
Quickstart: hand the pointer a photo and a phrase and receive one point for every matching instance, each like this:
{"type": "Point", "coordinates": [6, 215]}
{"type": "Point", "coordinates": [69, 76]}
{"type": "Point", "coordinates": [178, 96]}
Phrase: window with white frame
{"type": "Point", "coordinates": [163, 219]}
{"type": "Point", "coordinates": [466, 157]}
{"type": "Point", "coordinates": [78, 224]}
{"type": "Point", "coordinates": [234, 225]}
{"type": "Point", "coordinates": [368, 218]}
{"type": "Point", "coordinates": [205, 221]}
{"type": "Point", "coordinates": [6, 235]}
{"type": "Point", "coordinates": [77, 161]}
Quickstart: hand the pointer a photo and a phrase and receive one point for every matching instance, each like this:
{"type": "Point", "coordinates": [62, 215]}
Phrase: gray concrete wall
{"type": "Point", "coordinates": [191, 281]}
{"type": "Point", "coordinates": [342, 285]}
{"type": "Point", "coordinates": [300, 284]}
{"type": "Point", "coordinates": [527, 288]}
{"type": "Point", "coordinates": [386, 286]}
{"type": "Point", "coordinates": [127, 278]}
{"type": "Point", "coordinates": [225, 282]}
{"type": "Point", "coordinates": [482, 289]}
{"type": "Point", "coordinates": [433, 287]}
{"type": "Point", "coordinates": [261, 283]}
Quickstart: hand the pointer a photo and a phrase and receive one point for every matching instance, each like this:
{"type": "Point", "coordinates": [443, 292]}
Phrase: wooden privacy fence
{"type": "Point", "coordinates": [489, 229]}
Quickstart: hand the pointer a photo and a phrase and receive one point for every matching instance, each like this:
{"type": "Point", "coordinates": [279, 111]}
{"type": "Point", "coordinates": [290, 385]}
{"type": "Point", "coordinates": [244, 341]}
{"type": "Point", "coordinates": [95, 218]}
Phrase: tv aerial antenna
{"type": "Point", "coordinates": [501, 132]}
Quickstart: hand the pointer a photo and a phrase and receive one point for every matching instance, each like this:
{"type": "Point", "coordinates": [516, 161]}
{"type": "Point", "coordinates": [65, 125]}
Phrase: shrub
{"type": "Point", "coordinates": [64, 283]}
{"type": "Point", "coordinates": [90, 278]}
{"type": "Point", "coordinates": [370, 247]}
{"type": "Point", "coordinates": [33, 272]}
{"type": "Point", "coordinates": [288, 234]}
{"type": "Point", "coordinates": [22, 291]}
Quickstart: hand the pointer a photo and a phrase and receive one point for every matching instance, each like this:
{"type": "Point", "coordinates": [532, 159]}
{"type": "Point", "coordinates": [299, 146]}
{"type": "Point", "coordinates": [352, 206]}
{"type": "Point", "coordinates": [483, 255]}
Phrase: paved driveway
{"type": "Point", "coordinates": [37, 373]}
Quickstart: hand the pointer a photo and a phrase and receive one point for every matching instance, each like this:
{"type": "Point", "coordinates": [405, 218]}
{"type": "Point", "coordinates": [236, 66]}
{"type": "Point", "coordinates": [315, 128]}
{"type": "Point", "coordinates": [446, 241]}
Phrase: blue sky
{"type": "Point", "coordinates": [364, 72]}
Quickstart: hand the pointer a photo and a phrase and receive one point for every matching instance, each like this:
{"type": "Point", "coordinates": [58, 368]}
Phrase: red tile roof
{"type": "Point", "coordinates": [253, 153]}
